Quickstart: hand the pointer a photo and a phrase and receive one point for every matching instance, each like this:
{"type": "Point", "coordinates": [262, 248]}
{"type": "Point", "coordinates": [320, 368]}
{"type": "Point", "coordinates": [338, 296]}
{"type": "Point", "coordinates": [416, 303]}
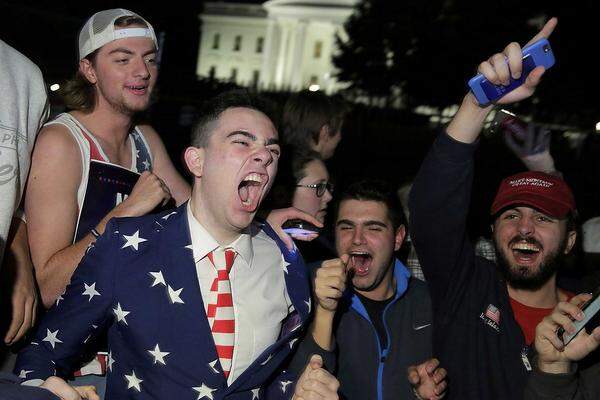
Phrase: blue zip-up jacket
{"type": "Point", "coordinates": [364, 369]}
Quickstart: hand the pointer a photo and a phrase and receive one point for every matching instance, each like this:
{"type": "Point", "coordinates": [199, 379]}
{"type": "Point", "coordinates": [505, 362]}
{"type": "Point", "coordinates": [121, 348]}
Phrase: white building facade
{"type": "Point", "coordinates": [281, 44]}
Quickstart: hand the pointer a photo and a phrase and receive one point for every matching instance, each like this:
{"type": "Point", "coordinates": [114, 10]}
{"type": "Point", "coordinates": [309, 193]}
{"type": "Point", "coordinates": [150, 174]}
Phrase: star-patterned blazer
{"type": "Point", "coordinates": [139, 282]}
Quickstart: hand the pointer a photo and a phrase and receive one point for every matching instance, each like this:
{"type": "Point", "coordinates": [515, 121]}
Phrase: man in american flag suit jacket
{"type": "Point", "coordinates": [139, 281]}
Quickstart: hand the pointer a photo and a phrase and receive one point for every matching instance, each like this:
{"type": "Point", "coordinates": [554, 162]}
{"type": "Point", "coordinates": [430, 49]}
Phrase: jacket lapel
{"type": "Point", "coordinates": [188, 319]}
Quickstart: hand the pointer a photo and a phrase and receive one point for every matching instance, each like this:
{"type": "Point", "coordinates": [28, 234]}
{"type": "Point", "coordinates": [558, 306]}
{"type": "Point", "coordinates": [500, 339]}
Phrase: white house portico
{"type": "Point", "coordinates": [281, 44]}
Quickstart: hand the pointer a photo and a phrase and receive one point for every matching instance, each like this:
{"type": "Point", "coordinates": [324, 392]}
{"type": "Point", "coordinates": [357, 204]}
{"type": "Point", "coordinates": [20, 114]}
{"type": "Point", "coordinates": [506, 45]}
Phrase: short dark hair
{"type": "Point", "coordinates": [376, 190]}
{"type": "Point", "coordinates": [305, 113]}
{"type": "Point", "coordinates": [79, 93]}
{"type": "Point", "coordinates": [213, 108]}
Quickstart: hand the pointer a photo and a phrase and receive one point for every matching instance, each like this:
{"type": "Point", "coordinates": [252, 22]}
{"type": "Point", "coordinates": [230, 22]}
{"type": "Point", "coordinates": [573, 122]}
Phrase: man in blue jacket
{"type": "Point", "coordinates": [379, 328]}
{"type": "Point", "coordinates": [177, 291]}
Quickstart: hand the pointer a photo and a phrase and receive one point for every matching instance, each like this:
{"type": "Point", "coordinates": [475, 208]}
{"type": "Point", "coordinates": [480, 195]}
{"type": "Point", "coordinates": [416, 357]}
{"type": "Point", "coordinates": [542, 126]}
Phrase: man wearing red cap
{"type": "Point", "coordinates": [485, 314]}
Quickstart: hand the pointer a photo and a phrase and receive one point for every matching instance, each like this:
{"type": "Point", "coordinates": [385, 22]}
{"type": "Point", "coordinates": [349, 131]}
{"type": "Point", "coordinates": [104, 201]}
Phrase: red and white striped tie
{"type": "Point", "coordinates": [220, 313]}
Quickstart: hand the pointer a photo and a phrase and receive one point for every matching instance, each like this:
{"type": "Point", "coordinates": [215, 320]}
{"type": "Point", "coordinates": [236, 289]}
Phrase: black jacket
{"type": "Point", "coordinates": [476, 336]}
{"type": "Point", "coordinates": [575, 385]}
{"type": "Point", "coordinates": [364, 369]}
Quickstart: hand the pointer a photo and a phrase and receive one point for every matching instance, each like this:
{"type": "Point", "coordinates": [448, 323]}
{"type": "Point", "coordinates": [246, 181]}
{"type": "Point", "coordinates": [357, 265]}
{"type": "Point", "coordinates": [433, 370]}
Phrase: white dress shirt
{"type": "Point", "coordinates": [260, 298]}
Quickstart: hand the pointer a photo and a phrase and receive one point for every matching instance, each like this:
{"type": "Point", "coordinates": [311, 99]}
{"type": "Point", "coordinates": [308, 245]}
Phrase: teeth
{"type": "Point", "coordinates": [254, 178]}
{"type": "Point", "coordinates": [359, 253]}
{"type": "Point", "coordinates": [525, 246]}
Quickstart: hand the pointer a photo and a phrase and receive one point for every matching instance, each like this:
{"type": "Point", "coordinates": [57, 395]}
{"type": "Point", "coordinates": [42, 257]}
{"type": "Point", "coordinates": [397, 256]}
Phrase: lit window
{"type": "Point", "coordinates": [237, 43]}
{"type": "Point", "coordinates": [216, 41]}
{"type": "Point", "coordinates": [259, 44]}
{"type": "Point", "coordinates": [318, 49]}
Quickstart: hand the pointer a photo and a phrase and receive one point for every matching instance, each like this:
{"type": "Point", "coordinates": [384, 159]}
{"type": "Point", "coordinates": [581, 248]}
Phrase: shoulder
{"type": "Point", "coordinates": [260, 230]}
{"type": "Point", "coordinates": [151, 136]}
{"type": "Point", "coordinates": [16, 60]}
{"type": "Point", "coordinates": [152, 224]}
{"type": "Point", "coordinates": [142, 223]}
{"type": "Point", "coordinates": [263, 233]}
{"type": "Point", "coordinates": [57, 137]}
{"type": "Point", "coordinates": [418, 289]}
{"type": "Point", "coordinates": [417, 297]}
{"type": "Point", "coordinates": [56, 146]}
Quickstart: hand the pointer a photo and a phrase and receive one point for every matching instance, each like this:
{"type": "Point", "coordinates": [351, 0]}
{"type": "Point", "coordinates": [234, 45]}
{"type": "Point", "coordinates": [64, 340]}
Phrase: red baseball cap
{"type": "Point", "coordinates": [544, 192]}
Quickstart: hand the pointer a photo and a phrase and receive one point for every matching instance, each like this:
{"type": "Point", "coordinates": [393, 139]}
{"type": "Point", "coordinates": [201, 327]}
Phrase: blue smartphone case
{"type": "Point", "coordinates": [534, 55]}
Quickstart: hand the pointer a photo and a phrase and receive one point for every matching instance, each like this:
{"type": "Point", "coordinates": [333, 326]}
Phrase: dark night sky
{"type": "Point", "coordinates": [47, 31]}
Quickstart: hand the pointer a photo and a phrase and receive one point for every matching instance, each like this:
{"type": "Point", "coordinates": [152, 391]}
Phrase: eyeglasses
{"type": "Point", "coordinates": [320, 187]}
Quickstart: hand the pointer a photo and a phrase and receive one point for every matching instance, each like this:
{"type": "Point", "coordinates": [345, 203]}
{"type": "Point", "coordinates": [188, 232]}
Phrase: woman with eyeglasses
{"type": "Point", "coordinates": [303, 182]}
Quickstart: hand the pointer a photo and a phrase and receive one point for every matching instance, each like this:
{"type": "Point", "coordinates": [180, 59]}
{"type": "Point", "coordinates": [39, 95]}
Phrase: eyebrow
{"type": "Point", "coordinates": [375, 223]}
{"type": "Point", "coordinates": [366, 223]}
{"type": "Point", "coordinates": [546, 215]}
{"type": "Point", "coordinates": [252, 137]}
{"type": "Point", "coordinates": [129, 52]}
{"type": "Point", "coordinates": [344, 222]}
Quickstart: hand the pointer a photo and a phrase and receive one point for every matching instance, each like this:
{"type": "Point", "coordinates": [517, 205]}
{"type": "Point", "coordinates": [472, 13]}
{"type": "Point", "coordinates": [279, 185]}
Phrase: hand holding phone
{"type": "Point", "coordinates": [591, 319]}
{"type": "Point", "coordinates": [535, 55]}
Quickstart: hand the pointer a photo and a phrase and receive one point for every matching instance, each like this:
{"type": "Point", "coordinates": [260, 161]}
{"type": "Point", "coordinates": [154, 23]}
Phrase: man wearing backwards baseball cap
{"type": "Point", "coordinates": [485, 315]}
{"type": "Point", "coordinates": [87, 161]}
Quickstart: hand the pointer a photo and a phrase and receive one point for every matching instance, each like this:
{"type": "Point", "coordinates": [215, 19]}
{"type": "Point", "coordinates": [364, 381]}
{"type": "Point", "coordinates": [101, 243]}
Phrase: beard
{"type": "Point", "coordinates": [522, 277]}
{"type": "Point", "coordinates": [120, 105]}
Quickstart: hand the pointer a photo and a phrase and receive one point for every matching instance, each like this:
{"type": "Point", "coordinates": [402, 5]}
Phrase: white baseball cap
{"type": "Point", "coordinates": [100, 30]}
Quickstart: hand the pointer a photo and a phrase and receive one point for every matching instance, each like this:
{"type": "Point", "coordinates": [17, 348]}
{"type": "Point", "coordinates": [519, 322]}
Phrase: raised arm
{"type": "Point", "coordinates": [467, 123]}
{"type": "Point", "coordinates": [441, 193]}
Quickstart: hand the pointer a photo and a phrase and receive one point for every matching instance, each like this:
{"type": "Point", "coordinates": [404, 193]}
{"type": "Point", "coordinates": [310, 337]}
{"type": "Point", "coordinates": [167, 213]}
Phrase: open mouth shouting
{"type": "Point", "coordinates": [360, 262]}
{"type": "Point", "coordinates": [525, 251]}
{"type": "Point", "coordinates": [250, 190]}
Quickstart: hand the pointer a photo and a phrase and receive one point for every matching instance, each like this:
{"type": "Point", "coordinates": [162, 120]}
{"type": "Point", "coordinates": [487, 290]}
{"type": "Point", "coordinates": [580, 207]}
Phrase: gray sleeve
{"type": "Point", "coordinates": [577, 384]}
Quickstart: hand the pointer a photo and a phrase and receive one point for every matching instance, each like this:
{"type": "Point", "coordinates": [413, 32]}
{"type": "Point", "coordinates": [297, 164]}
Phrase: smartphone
{"type": "Point", "coordinates": [534, 55]}
{"type": "Point", "coordinates": [300, 227]}
{"type": "Point", "coordinates": [590, 321]}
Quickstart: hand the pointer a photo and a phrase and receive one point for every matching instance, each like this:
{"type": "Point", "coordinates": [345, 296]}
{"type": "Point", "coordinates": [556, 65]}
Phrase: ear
{"type": "Point", "coordinates": [87, 70]}
{"type": "Point", "coordinates": [194, 160]}
{"type": "Point", "coordinates": [571, 238]}
{"type": "Point", "coordinates": [399, 237]}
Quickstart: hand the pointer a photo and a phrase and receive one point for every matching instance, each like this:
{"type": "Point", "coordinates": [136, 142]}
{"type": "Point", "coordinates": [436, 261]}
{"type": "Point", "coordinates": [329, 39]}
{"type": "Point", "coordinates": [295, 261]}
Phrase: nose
{"type": "Point", "coordinates": [141, 69]}
{"type": "Point", "coordinates": [525, 226]}
{"type": "Point", "coordinates": [263, 156]}
{"type": "Point", "coordinates": [327, 196]}
{"type": "Point", "coordinates": [357, 236]}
